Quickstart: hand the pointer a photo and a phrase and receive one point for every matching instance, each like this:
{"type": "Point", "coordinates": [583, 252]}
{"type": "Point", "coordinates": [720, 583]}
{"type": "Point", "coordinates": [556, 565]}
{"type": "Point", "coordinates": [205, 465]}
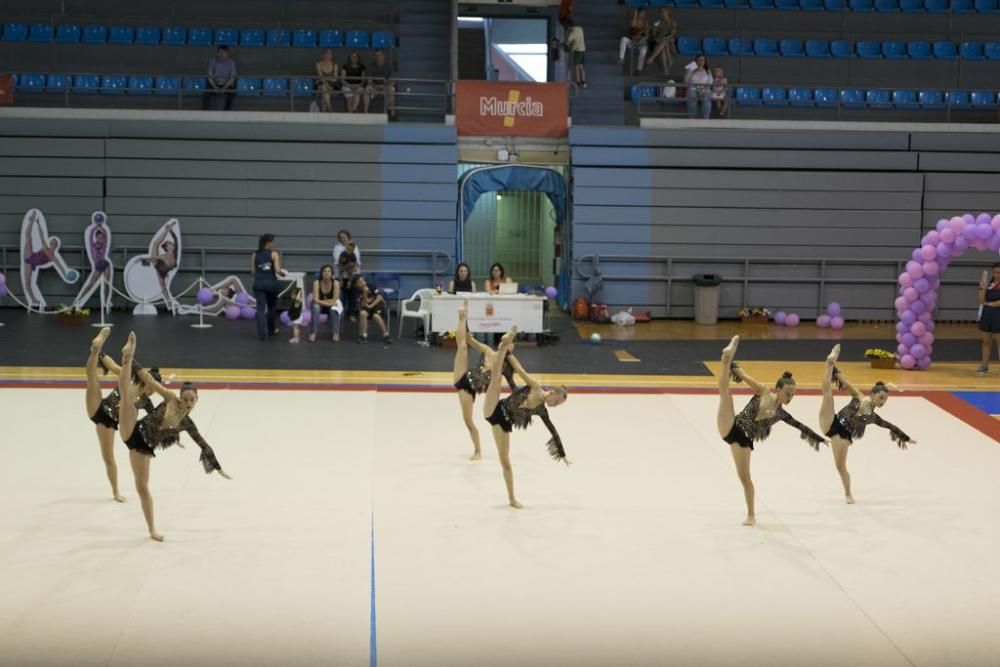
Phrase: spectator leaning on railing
{"type": "Point", "coordinates": [221, 78]}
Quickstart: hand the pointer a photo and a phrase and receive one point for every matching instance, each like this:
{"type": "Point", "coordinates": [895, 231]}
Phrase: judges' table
{"type": "Point", "coordinates": [488, 312]}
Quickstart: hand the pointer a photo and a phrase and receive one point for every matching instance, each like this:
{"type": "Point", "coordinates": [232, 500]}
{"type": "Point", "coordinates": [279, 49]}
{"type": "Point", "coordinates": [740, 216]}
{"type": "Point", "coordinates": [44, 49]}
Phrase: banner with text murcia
{"type": "Point", "coordinates": [500, 109]}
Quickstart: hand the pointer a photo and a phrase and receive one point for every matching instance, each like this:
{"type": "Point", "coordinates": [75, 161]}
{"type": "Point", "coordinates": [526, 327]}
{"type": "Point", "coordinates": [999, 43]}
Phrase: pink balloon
{"type": "Point", "coordinates": [929, 252]}
{"type": "Point", "coordinates": [927, 339]}
{"type": "Point", "coordinates": [933, 237]}
{"type": "Point", "coordinates": [924, 363]}
{"type": "Point", "coordinates": [925, 317]}
{"type": "Point", "coordinates": [995, 223]}
{"type": "Point", "coordinates": [905, 280]}
{"type": "Point", "coordinates": [979, 244]}
{"type": "Point", "coordinates": [901, 349]}
{"type": "Point", "coordinates": [306, 318]}
{"type": "Point", "coordinates": [915, 270]}
{"type": "Point", "coordinates": [994, 242]}
{"type": "Point", "coordinates": [837, 323]}
{"type": "Point", "coordinates": [957, 225]}
{"type": "Point", "coordinates": [902, 304]}
{"type": "Point", "coordinates": [309, 300]}
{"type": "Point", "coordinates": [918, 329]}
{"type": "Point", "coordinates": [907, 361]}
{"type": "Point", "coordinates": [823, 321]}
{"type": "Point", "coordinates": [947, 235]}
{"type": "Point", "coordinates": [910, 294]}
{"type": "Point", "coordinates": [931, 268]}
{"type": "Point", "coordinates": [232, 312]}
{"type": "Point", "coordinates": [792, 320]}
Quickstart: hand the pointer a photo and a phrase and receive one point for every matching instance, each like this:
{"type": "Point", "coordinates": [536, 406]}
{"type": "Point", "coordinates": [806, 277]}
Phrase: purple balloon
{"type": "Point", "coordinates": [901, 349]}
{"type": "Point", "coordinates": [902, 327]}
{"type": "Point", "coordinates": [910, 294]}
{"type": "Point", "coordinates": [908, 317]}
{"type": "Point", "coordinates": [833, 309]}
{"type": "Point", "coordinates": [309, 300]}
{"type": "Point", "coordinates": [918, 329]}
{"type": "Point", "coordinates": [232, 312]}
{"type": "Point", "coordinates": [925, 317]}
{"type": "Point", "coordinates": [984, 231]}
{"type": "Point", "coordinates": [941, 225]}
{"type": "Point", "coordinates": [823, 321]}
{"type": "Point", "coordinates": [969, 232]}
{"type": "Point", "coordinates": [248, 312]}
{"type": "Point", "coordinates": [983, 219]}
{"type": "Point", "coordinates": [780, 317]}
{"type": "Point", "coordinates": [961, 245]}
{"type": "Point", "coordinates": [205, 296]}
{"type": "Point", "coordinates": [3, 291]}
{"type": "Point", "coordinates": [994, 242]}
{"type": "Point", "coordinates": [927, 339]}
{"type": "Point", "coordinates": [3, 280]}
{"type": "Point", "coordinates": [931, 268]}
{"type": "Point", "coordinates": [551, 292]}
{"type": "Point", "coordinates": [929, 299]}
{"type": "Point", "coordinates": [933, 238]}
{"type": "Point", "coordinates": [908, 339]}
{"type": "Point", "coordinates": [918, 307]}
{"type": "Point", "coordinates": [306, 318]}
{"type": "Point", "coordinates": [921, 285]}
{"type": "Point", "coordinates": [969, 219]}
{"type": "Point", "coordinates": [241, 298]}
{"type": "Point", "coordinates": [928, 252]}
{"type": "Point", "coordinates": [918, 351]}
{"type": "Point", "coordinates": [916, 255]}
{"type": "Point", "coordinates": [285, 319]}
{"type": "Point", "coordinates": [837, 323]}
{"type": "Point", "coordinates": [944, 250]}
{"type": "Point", "coordinates": [907, 361]}
{"type": "Point", "coordinates": [323, 317]}
{"type": "Point", "coordinates": [924, 363]}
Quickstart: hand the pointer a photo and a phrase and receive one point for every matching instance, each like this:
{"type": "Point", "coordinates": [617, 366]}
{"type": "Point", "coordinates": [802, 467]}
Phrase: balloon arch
{"type": "Point", "coordinates": [920, 281]}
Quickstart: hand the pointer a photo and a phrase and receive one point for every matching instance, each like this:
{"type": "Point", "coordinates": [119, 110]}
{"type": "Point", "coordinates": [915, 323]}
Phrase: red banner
{"type": "Point", "coordinates": [6, 89]}
{"type": "Point", "coordinates": [511, 109]}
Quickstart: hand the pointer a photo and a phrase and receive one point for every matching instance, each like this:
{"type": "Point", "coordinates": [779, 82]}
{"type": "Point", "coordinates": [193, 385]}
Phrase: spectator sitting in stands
{"type": "Point", "coordinates": [353, 82]}
{"type": "Point", "coordinates": [326, 301]}
{"type": "Point", "coordinates": [327, 79]}
{"type": "Point", "coordinates": [343, 238]}
{"type": "Point", "coordinates": [699, 87]}
{"type": "Point", "coordinates": [378, 82]}
{"type": "Point", "coordinates": [665, 40]}
{"type": "Point", "coordinates": [221, 78]}
{"type": "Point", "coordinates": [369, 304]}
{"type": "Point", "coordinates": [637, 38]}
{"type": "Point", "coordinates": [720, 92]}
{"type": "Point", "coordinates": [347, 265]}
{"type": "Point", "coordinates": [578, 49]}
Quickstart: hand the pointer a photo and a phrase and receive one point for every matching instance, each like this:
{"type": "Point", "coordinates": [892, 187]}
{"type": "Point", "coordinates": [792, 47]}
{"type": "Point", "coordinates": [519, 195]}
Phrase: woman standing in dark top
{"type": "Point", "coordinates": [462, 282]}
{"type": "Point", "coordinates": [989, 319]}
{"type": "Point", "coordinates": [266, 267]}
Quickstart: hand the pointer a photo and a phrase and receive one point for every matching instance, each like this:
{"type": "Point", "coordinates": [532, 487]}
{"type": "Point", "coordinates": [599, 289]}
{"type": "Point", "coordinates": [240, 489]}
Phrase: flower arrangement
{"type": "Point", "coordinates": [754, 315]}
{"type": "Point", "coordinates": [72, 314]}
{"type": "Point", "coordinates": [878, 353]}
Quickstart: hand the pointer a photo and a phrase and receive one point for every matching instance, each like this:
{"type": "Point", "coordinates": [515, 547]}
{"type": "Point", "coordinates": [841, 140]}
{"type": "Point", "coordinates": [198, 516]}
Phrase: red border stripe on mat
{"type": "Point", "coordinates": [968, 413]}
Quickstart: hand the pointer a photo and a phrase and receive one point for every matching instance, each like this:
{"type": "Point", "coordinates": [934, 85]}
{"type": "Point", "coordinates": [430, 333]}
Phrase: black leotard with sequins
{"type": "Point", "coordinates": [747, 429]}
{"type": "Point", "coordinates": [511, 413]}
{"type": "Point", "coordinates": [850, 424]}
{"type": "Point", "coordinates": [150, 434]}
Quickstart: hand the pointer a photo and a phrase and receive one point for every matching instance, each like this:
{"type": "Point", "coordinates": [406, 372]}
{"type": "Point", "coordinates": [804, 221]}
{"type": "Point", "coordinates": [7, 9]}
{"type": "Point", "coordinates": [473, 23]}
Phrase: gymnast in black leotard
{"type": "Point", "coordinates": [848, 425]}
{"type": "Point", "coordinates": [754, 422]}
{"type": "Point", "coordinates": [471, 381]}
{"type": "Point", "coordinates": [518, 409]}
{"type": "Point", "coordinates": [103, 411]}
{"type": "Point", "coordinates": [158, 430]}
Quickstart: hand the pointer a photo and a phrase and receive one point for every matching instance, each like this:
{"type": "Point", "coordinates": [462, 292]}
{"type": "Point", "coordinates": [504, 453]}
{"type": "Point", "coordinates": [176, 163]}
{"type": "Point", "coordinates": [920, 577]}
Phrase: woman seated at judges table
{"type": "Point", "coordinates": [462, 282]}
{"type": "Point", "coordinates": [497, 276]}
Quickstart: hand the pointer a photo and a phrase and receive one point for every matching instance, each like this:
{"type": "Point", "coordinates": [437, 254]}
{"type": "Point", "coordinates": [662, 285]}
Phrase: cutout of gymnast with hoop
{"type": "Point", "coordinates": [754, 421]}
{"type": "Point", "coordinates": [40, 251]}
{"type": "Point", "coordinates": [164, 257]}
{"type": "Point", "coordinates": [471, 381]}
{"type": "Point", "coordinates": [97, 239]}
{"type": "Point", "coordinates": [159, 429]}
{"type": "Point", "coordinates": [848, 425]}
{"type": "Point", "coordinates": [516, 410]}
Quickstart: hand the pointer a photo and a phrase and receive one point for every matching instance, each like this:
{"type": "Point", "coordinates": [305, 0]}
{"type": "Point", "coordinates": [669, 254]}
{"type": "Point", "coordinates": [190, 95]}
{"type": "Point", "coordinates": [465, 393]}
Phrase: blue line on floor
{"type": "Point", "coordinates": [373, 640]}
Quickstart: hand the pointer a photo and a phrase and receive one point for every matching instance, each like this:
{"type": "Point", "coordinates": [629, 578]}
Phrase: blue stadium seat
{"type": "Point", "coordinates": [740, 47]}
{"type": "Point", "coordinates": [278, 37]}
{"type": "Point", "coordinates": [140, 85]}
{"type": "Point", "coordinates": [689, 46]}
{"type": "Point", "coordinates": [643, 93]}
{"type": "Point", "coordinates": [918, 50]}
{"type": "Point", "coordinates": [748, 95]}
{"type": "Point", "coordinates": [35, 82]}
{"type": "Point", "coordinates": [195, 84]}
{"type": "Point", "coordinates": [868, 48]}
{"type": "Point", "coordinates": [14, 32]}
{"type": "Point", "coordinates": [971, 51]}
{"type": "Point", "coordinates": [958, 99]}
{"type": "Point", "coordinates": [252, 37]}
{"type": "Point", "coordinates": [904, 99]}
{"type": "Point", "coordinates": [304, 39]}
{"type": "Point", "coordinates": [275, 87]}
{"type": "Point", "coordinates": [86, 84]}
{"type": "Point", "coordinates": [248, 85]}
{"type": "Point", "coordinates": [800, 97]}
{"type": "Point", "coordinates": [861, 5]}
{"type": "Point", "coordinates": [357, 39]}
{"type": "Point", "coordinates": [57, 83]}
{"type": "Point", "coordinates": [834, 5]}
{"type": "Point", "coordinates": [878, 98]}
{"type": "Point", "coordinates": [962, 6]}
{"type": "Point", "coordinates": [331, 39]}
{"type": "Point", "coordinates": [226, 36]}
{"type": "Point", "coordinates": [148, 35]}
{"type": "Point", "coordinates": [175, 36]}
{"type": "Point", "coordinates": [95, 34]}
{"type": "Point", "coordinates": [40, 32]}
{"type": "Point", "coordinates": [68, 34]}
{"type": "Point", "coordinates": [714, 46]}
{"type": "Point", "coordinates": [887, 5]}
{"type": "Point", "coordinates": [686, 4]}
{"type": "Point", "coordinates": [661, 3]}
{"type": "Point", "coordinates": [761, 4]}
{"type": "Point", "coordinates": [937, 6]}
{"type": "Point", "coordinates": [737, 4]}
{"type": "Point", "coordinates": [852, 98]}
{"type": "Point", "coordinates": [840, 48]}
{"type": "Point", "coordinates": [945, 50]}
{"type": "Point", "coordinates": [992, 50]}
{"type": "Point", "coordinates": [983, 98]}
{"type": "Point", "coordinates": [200, 37]}
{"type": "Point", "coordinates": [113, 84]}
{"type": "Point", "coordinates": [765, 47]}
{"type": "Point", "coordinates": [387, 40]}
{"type": "Point", "coordinates": [912, 6]}
{"type": "Point", "coordinates": [986, 6]}
{"type": "Point", "coordinates": [303, 87]}
{"type": "Point", "coordinates": [167, 85]}
{"type": "Point", "coordinates": [811, 5]}
{"type": "Point", "coordinates": [786, 4]}
{"type": "Point", "coordinates": [825, 97]}
{"type": "Point", "coordinates": [893, 50]}
{"type": "Point", "coordinates": [931, 99]}
{"type": "Point", "coordinates": [817, 48]}
{"type": "Point", "coordinates": [791, 48]}
{"type": "Point", "coordinates": [704, 4]}
{"type": "Point", "coordinates": [637, 3]}
{"type": "Point", "coordinates": [774, 97]}
{"type": "Point", "coordinates": [121, 34]}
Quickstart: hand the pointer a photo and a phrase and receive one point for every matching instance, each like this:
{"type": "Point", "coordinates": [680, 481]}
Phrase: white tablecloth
{"type": "Point", "coordinates": [488, 312]}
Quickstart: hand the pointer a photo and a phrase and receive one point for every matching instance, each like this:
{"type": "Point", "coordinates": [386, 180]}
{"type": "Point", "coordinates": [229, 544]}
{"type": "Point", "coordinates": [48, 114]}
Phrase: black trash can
{"type": "Point", "coordinates": [706, 297]}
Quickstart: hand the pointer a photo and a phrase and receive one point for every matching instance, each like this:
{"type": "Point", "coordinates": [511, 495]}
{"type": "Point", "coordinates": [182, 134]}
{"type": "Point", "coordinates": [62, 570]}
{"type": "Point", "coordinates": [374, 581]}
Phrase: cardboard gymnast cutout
{"type": "Point", "coordinates": [148, 277]}
{"type": "Point", "coordinates": [40, 251]}
{"type": "Point", "coordinates": [224, 292]}
{"type": "Point", "coordinates": [97, 240]}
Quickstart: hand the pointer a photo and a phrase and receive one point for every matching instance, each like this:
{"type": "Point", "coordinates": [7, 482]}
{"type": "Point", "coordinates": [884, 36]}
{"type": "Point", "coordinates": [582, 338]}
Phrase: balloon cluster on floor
{"type": "Point", "coordinates": [3, 285]}
{"type": "Point", "coordinates": [920, 282]}
{"type": "Point", "coordinates": [833, 318]}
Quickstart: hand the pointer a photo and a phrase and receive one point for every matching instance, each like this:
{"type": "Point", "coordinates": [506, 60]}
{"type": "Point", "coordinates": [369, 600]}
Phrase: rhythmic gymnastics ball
{"type": "Point", "coordinates": [833, 309]}
{"type": "Point", "coordinates": [248, 312]}
{"type": "Point", "coordinates": [595, 338]}
{"type": "Point", "coordinates": [837, 323]}
{"type": "Point", "coordinates": [551, 292]}
{"type": "Point", "coordinates": [792, 320]}
{"type": "Point", "coordinates": [204, 296]}
{"type": "Point", "coordinates": [232, 312]}
{"type": "Point", "coordinates": [823, 321]}
{"type": "Point", "coordinates": [780, 317]}
{"type": "Point", "coordinates": [241, 298]}
{"type": "Point", "coordinates": [285, 319]}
